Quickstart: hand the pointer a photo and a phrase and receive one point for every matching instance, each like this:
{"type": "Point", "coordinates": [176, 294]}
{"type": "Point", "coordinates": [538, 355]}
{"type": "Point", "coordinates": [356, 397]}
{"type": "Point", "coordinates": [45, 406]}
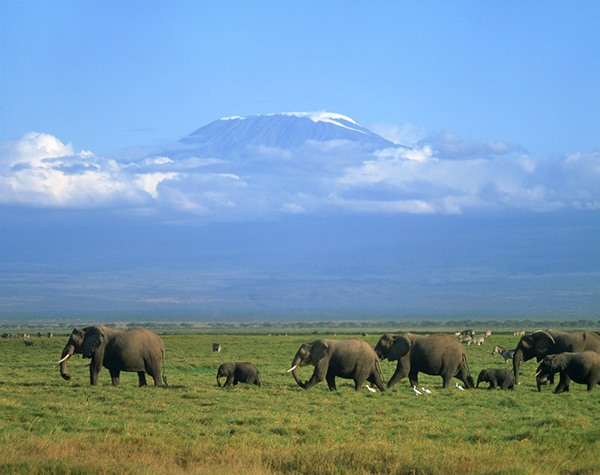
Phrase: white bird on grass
{"type": "Point", "coordinates": [371, 389]}
{"type": "Point", "coordinates": [458, 386]}
{"type": "Point", "coordinates": [426, 391]}
{"type": "Point", "coordinates": [417, 392]}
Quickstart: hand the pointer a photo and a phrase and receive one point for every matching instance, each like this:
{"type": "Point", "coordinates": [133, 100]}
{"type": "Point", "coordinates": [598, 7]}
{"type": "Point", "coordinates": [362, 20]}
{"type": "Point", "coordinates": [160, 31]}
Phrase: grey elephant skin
{"type": "Point", "coordinates": [551, 342]}
{"type": "Point", "coordinates": [238, 373]}
{"type": "Point", "coordinates": [582, 367]}
{"type": "Point", "coordinates": [437, 354]}
{"type": "Point", "coordinates": [498, 378]}
{"type": "Point", "coordinates": [351, 358]}
{"type": "Point", "coordinates": [135, 350]}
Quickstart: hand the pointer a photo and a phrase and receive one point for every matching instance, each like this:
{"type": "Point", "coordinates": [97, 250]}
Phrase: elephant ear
{"type": "Point", "coordinates": [319, 351]}
{"type": "Point", "coordinates": [543, 343]}
{"type": "Point", "coordinates": [400, 348]}
{"type": "Point", "coordinates": [557, 362]}
{"type": "Point", "coordinates": [93, 339]}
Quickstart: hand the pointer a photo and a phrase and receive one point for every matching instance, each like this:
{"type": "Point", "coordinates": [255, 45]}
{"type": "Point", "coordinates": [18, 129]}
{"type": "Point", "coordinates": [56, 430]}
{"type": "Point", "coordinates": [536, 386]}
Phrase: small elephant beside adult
{"type": "Point", "coordinates": [437, 354]}
{"type": "Point", "coordinates": [351, 358]}
{"type": "Point", "coordinates": [542, 343]}
{"type": "Point", "coordinates": [135, 350]}
{"type": "Point", "coordinates": [582, 367]}
{"type": "Point", "coordinates": [238, 373]}
{"type": "Point", "coordinates": [502, 378]}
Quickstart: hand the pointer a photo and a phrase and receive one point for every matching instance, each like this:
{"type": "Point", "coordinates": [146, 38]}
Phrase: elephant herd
{"type": "Point", "coordinates": [575, 355]}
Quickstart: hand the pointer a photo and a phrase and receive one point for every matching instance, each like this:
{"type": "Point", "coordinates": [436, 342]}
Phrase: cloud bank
{"type": "Point", "coordinates": [443, 173]}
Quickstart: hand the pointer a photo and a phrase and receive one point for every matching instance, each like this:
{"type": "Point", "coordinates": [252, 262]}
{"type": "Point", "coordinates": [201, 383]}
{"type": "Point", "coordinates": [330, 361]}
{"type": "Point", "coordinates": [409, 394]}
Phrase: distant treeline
{"type": "Point", "coordinates": [314, 326]}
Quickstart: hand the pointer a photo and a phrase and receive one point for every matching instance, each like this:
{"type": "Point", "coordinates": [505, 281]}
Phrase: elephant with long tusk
{"type": "Point", "coordinates": [352, 358]}
{"type": "Point", "coordinates": [60, 361]}
{"type": "Point", "coordinates": [135, 350]}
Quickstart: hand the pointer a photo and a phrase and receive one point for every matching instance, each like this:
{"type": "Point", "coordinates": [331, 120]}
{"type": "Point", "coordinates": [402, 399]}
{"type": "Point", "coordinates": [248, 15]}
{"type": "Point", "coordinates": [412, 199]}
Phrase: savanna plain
{"type": "Point", "coordinates": [48, 425]}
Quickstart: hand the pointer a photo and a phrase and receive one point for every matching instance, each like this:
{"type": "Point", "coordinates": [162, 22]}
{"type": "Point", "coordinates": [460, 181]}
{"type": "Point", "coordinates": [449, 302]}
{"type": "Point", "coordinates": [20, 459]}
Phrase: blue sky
{"type": "Point", "coordinates": [494, 211]}
{"type": "Point", "coordinates": [108, 75]}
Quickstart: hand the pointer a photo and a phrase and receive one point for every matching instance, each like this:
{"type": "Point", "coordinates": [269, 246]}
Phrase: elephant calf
{"type": "Point", "coordinates": [502, 378]}
{"type": "Point", "coordinates": [583, 368]}
{"type": "Point", "coordinates": [238, 373]}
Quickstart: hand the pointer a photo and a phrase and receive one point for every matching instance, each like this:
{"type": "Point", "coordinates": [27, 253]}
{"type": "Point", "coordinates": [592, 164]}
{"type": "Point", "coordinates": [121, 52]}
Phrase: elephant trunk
{"type": "Point", "coordinates": [67, 352]}
{"type": "Point", "coordinates": [295, 365]}
{"type": "Point", "coordinates": [538, 380]}
{"type": "Point", "coordinates": [517, 358]}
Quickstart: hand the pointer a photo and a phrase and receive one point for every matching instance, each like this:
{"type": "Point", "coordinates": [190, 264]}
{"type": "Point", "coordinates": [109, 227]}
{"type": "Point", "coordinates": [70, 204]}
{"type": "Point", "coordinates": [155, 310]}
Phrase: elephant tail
{"type": "Point", "coordinates": [164, 365]}
{"type": "Point", "coordinates": [378, 366]}
{"type": "Point", "coordinates": [469, 377]}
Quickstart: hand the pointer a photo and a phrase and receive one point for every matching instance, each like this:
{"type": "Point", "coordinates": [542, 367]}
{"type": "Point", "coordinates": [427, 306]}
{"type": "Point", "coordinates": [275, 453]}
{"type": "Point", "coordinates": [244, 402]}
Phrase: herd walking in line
{"type": "Point", "coordinates": [574, 355]}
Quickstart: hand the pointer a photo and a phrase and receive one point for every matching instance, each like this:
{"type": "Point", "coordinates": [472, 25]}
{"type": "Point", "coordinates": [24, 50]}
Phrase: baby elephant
{"type": "Point", "coordinates": [238, 373]}
{"type": "Point", "coordinates": [497, 377]}
{"type": "Point", "coordinates": [583, 368]}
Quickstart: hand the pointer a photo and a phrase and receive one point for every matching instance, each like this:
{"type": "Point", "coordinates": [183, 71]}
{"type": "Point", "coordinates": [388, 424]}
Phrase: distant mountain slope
{"type": "Point", "coordinates": [285, 131]}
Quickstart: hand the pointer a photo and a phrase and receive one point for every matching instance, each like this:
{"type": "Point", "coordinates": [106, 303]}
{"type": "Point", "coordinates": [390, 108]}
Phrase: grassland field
{"type": "Point", "coordinates": [48, 425]}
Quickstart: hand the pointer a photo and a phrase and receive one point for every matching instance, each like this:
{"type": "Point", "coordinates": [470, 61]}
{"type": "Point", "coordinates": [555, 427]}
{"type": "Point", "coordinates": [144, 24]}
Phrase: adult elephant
{"type": "Point", "coordinates": [583, 368]}
{"type": "Point", "coordinates": [134, 350]}
{"type": "Point", "coordinates": [437, 354]}
{"type": "Point", "coordinates": [542, 343]}
{"type": "Point", "coordinates": [238, 373]}
{"type": "Point", "coordinates": [352, 358]}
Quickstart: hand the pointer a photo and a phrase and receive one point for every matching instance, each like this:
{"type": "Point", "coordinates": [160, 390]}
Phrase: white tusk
{"type": "Point", "coordinates": [60, 361]}
{"type": "Point", "coordinates": [292, 368]}
{"type": "Point", "coordinates": [536, 374]}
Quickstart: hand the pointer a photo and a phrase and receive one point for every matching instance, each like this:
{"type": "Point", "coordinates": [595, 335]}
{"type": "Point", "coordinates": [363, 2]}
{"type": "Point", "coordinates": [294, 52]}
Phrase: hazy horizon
{"type": "Point", "coordinates": [398, 160]}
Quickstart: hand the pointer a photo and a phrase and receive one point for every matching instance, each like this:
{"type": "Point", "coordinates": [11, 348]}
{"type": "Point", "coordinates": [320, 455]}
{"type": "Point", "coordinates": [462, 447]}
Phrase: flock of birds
{"type": "Point", "coordinates": [416, 391]}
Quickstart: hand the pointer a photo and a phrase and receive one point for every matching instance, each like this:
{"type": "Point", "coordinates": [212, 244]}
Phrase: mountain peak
{"type": "Point", "coordinates": [319, 116]}
{"type": "Point", "coordinates": [288, 130]}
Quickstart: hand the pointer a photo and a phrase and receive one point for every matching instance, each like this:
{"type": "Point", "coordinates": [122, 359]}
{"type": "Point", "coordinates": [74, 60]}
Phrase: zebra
{"type": "Point", "coordinates": [506, 354]}
{"type": "Point", "coordinates": [478, 340]}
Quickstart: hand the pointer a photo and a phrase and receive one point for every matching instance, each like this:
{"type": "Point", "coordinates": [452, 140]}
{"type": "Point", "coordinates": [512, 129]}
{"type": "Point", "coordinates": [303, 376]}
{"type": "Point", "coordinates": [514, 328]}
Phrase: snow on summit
{"type": "Point", "coordinates": [288, 130]}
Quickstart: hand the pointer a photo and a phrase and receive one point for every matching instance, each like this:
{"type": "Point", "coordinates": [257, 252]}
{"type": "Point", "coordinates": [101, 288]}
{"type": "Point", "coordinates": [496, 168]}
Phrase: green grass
{"type": "Point", "coordinates": [48, 425]}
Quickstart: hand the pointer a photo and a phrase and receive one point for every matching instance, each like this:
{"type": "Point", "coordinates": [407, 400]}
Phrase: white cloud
{"type": "Point", "coordinates": [452, 175]}
{"type": "Point", "coordinates": [407, 134]}
{"type": "Point", "coordinates": [149, 182]}
{"type": "Point", "coordinates": [38, 169]}
{"type": "Point", "coordinates": [440, 174]}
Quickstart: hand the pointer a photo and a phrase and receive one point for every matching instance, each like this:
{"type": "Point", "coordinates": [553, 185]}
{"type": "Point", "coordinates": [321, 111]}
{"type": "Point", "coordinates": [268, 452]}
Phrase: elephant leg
{"type": "Point", "coordinates": [115, 376]}
{"type": "Point", "coordinates": [563, 384]}
{"type": "Point", "coordinates": [413, 377]}
{"type": "Point", "coordinates": [319, 374]}
{"type": "Point", "coordinates": [463, 375]}
{"type": "Point", "coordinates": [447, 379]}
{"type": "Point", "coordinates": [493, 384]}
{"type": "Point", "coordinates": [153, 369]}
{"type": "Point", "coordinates": [142, 378]}
{"type": "Point", "coordinates": [331, 382]}
{"type": "Point", "coordinates": [230, 380]}
{"type": "Point", "coordinates": [375, 379]}
{"type": "Point", "coordinates": [400, 374]}
{"type": "Point", "coordinates": [95, 368]}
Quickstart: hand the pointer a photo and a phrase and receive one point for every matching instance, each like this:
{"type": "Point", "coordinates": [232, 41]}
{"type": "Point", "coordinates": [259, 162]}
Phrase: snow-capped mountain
{"type": "Point", "coordinates": [287, 131]}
